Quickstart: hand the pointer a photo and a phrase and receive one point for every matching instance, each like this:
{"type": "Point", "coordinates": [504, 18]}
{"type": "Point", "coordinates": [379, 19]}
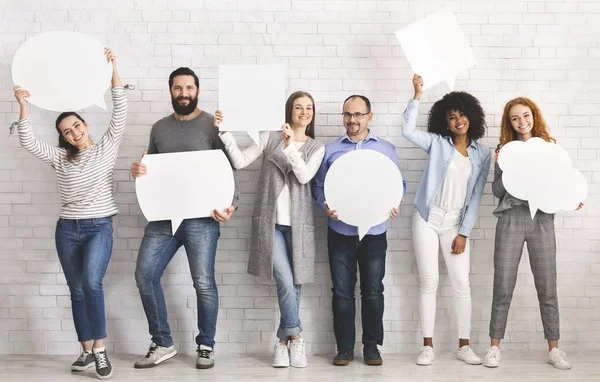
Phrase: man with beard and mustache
{"type": "Point", "coordinates": [345, 249]}
{"type": "Point", "coordinates": [188, 129]}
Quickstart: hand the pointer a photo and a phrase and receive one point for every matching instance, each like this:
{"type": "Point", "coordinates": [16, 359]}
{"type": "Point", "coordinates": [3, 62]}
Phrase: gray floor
{"type": "Point", "coordinates": [516, 366]}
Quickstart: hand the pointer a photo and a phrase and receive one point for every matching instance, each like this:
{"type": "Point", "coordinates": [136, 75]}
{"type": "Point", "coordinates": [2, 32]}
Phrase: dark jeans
{"type": "Point", "coordinates": [84, 247]}
{"type": "Point", "coordinates": [345, 252]}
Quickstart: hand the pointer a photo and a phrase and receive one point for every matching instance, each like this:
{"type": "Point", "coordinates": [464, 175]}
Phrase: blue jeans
{"type": "Point", "coordinates": [84, 248]}
{"type": "Point", "coordinates": [344, 254]}
{"type": "Point", "coordinates": [199, 238]}
{"type": "Point", "coordinates": [288, 294]}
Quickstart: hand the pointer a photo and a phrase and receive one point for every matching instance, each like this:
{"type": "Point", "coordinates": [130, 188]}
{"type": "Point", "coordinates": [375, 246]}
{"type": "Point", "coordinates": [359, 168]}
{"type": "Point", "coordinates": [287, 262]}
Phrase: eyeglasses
{"type": "Point", "coordinates": [356, 115]}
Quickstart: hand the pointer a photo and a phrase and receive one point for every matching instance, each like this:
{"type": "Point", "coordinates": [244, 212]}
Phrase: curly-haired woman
{"type": "Point", "coordinates": [522, 119]}
{"type": "Point", "coordinates": [447, 204]}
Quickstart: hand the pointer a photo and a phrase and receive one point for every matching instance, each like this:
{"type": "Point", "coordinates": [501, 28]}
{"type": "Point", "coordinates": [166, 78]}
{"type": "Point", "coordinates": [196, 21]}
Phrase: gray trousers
{"type": "Point", "coordinates": [514, 228]}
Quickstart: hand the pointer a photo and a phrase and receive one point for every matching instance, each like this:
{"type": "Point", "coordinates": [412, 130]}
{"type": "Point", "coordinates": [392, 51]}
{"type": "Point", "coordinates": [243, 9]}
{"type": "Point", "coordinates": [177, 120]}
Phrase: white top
{"type": "Point", "coordinates": [453, 192]}
{"type": "Point", "coordinates": [86, 184]}
{"type": "Point", "coordinates": [304, 171]}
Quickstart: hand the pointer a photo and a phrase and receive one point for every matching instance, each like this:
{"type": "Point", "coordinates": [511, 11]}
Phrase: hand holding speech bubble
{"type": "Point", "coordinates": [184, 185]}
{"type": "Point", "coordinates": [436, 48]}
{"type": "Point", "coordinates": [252, 97]}
{"type": "Point", "coordinates": [541, 173]}
{"type": "Point", "coordinates": [363, 186]}
{"type": "Point", "coordinates": [63, 71]}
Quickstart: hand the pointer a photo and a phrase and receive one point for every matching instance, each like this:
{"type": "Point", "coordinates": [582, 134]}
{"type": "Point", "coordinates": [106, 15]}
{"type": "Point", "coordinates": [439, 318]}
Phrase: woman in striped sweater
{"type": "Point", "coordinates": [84, 171]}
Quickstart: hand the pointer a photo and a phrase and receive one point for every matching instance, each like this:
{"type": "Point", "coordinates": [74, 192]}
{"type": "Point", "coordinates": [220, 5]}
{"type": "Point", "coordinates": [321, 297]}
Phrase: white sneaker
{"type": "Point", "coordinates": [156, 355]}
{"type": "Point", "coordinates": [466, 354]}
{"type": "Point", "coordinates": [281, 355]}
{"type": "Point", "coordinates": [558, 359]}
{"type": "Point", "coordinates": [298, 353]}
{"type": "Point", "coordinates": [426, 356]}
{"type": "Point", "coordinates": [492, 357]}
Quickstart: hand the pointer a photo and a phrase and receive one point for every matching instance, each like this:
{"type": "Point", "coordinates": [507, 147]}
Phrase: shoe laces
{"type": "Point", "coordinates": [561, 355]}
{"type": "Point", "coordinates": [151, 351]}
{"type": "Point", "coordinates": [204, 353]}
{"type": "Point", "coordinates": [281, 350]}
{"type": "Point", "coordinates": [101, 359]}
{"type": "Point", "coordinates": [84, 356]}
{"type": "Point", "coordinates": [493, 352]}
{"type": "Point", "coordinates": [372, 348]}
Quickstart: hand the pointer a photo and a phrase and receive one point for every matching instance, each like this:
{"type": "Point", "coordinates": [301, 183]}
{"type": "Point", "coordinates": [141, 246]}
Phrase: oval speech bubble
{"type": "Point", "coordinates": [63, 71]}
{"type": "Point", "coordinates": [184, 185]}
{"type": "Point", "coordinates": [363, 186]}
{"type": "Point", "coordinates": [541, 173]}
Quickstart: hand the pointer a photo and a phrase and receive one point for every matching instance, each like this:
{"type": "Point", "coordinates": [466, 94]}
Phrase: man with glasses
{"type": "Point", "coordinates": [345, 249]}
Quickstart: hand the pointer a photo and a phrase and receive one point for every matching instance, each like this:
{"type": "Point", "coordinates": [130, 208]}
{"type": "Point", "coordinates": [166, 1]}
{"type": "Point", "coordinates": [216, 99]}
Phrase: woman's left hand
{"type": "Point", "coordinates": [459, 244]}
{"type": "Point", "coordinates": [287, 134]}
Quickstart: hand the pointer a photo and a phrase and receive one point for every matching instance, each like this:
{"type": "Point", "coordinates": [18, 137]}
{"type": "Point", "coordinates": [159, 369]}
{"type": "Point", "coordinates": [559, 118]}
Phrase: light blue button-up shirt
{"type": "Point", "coordinates": [334, 150]}
{"type": "Point", "coordinates": [441, 153]}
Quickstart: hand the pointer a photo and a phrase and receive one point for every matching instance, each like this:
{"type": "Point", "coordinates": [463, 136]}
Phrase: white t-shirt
{"type": "Point", "coordinates": [453, 192]}
{"type": "Point", "coordinates": [304, 171]}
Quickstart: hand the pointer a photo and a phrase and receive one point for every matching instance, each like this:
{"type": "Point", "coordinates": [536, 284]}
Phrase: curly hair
{"type": "Point", "coordinates": [508, 134]}
{"type": "Point", "coordinates": [459, 101]}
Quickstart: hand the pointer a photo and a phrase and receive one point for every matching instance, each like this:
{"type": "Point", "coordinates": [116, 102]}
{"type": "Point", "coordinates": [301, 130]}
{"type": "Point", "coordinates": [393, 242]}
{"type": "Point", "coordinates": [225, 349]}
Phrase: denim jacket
{"type": "Point", "coordinates": [441, 153]}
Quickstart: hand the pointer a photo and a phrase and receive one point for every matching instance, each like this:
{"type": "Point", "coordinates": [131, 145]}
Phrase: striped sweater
{"type": "Point", "coordinates": [86, 184]}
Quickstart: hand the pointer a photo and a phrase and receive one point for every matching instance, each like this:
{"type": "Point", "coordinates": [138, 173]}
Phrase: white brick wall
{"type": "Point", "coordinates": [547, 50]}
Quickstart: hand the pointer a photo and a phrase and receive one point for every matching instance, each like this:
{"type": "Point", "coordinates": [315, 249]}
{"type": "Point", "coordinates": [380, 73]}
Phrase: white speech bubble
{"type": "Point", "coordinates": [541, 173]}
{"type": "Point", "coordinates": [436, 48]}
{"type": "Point", "coordinates": [252, 98]}
{"type": "Point", "coordinates": [184, 185]}
{"type": "Point", "coordinates": [63, 71]}
{"type": "Point", "coordinates": [363, 186]}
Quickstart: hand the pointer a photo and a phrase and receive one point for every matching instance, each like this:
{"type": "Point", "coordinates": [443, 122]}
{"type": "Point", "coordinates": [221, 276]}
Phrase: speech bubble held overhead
{"type": "Point", "coordinates": [184, 185]}
{"type": "Point", "coordinates": [436, 48]}
{"type": "Point", "coordinates": [63, 71]}
{"type": "Point", "coordinates": [363, 186]}
{"type": "Point", "coordinates": [252, 98]}
{"type": "Point", "coordinates": [541, 173]}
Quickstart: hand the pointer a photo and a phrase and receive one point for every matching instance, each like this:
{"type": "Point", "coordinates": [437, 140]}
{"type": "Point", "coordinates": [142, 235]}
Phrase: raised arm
{"type": "Point", "coordinates": [116, 127]}
{"type": "Point", "coordinates": [41, 150]}
{"type": "Point", "coordinates": [409, 118]}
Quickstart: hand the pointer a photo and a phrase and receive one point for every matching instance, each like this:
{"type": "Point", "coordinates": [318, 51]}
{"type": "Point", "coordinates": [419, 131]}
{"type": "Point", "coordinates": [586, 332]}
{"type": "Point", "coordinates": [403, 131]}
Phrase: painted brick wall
{"type": "Point", "coordinates": [547, 50]}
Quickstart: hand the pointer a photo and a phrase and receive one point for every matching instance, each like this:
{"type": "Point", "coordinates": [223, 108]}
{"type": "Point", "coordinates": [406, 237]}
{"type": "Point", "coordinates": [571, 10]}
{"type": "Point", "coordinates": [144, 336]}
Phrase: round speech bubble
{"type": "Point", "coordinates": [184, 185]}
{"type": "Point", "coordinates": [62, 70]}
{"type": "Point", "coordinates": [363, 186]}
{"type": "Point", "coordinates": [541, 173]}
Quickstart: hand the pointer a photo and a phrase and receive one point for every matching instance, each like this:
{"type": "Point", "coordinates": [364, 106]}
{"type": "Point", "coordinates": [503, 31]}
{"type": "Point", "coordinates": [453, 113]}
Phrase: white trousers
{"type": "Point", "coordinates": [428, 238]}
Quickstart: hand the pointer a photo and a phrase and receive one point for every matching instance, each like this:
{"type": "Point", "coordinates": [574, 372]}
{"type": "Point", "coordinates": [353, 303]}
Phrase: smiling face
{"type": "Point", "coordinates": [184, 95]}
{"type": "Point", "coordinates": [521, 120]}
{"type": "Point", "coordinates": [302, 112]}
{"type": "Point", "coordinates": [356, 118]}
{"type": "Point", "coordinates": [75, 132]}
{"type": "Point", "coordinates": [457, 122]}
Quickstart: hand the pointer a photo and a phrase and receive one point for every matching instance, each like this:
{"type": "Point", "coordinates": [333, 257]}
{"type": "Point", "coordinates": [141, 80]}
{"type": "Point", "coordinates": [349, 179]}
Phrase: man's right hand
{"type": "Point", "coordinates": [331, 213]}
{"type": "Point", "coordinates": [138, 168]}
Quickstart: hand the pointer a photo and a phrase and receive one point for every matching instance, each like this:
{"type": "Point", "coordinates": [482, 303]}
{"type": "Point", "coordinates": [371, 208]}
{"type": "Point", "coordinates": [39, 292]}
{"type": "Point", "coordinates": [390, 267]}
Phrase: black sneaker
{"type": "Point", "coordinates": [84, 362]}
{"type": "Point", "coordinates": [343, 357]}
{"type": "Point", "coordinates": [103, 366]}
{"type": "Point", "coordinates": [372, 355]}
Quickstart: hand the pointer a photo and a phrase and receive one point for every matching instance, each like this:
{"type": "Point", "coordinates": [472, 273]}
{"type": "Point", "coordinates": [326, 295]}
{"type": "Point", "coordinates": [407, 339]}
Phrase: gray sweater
{"type": "Point", "coordinates": [170, 135]}
{"type": "Point", "coordinates": [506, 199]}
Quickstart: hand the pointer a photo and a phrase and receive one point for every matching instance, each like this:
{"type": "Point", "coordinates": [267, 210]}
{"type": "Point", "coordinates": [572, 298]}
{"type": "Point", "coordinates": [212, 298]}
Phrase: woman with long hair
{"type": "Point", "coordinates": [84, 171]}
{"type": "Point", "coordinates": [521, 120]}
{"type": "Point", "coordinates": [283, 237]}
